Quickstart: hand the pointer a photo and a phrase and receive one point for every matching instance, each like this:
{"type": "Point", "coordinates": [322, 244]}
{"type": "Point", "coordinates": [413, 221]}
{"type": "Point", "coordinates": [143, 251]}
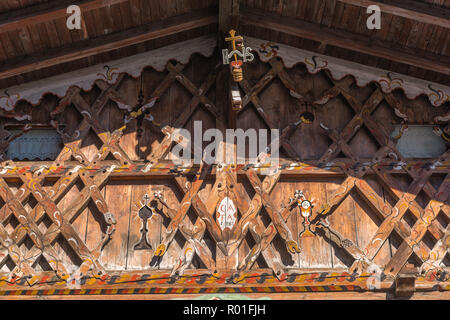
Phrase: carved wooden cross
{"type": "Point", "coordinates": [146, 199]}
{"type": "Point", "coordinates": [233, 40]}
{"type": "Point", "coordinates": [238, 50]}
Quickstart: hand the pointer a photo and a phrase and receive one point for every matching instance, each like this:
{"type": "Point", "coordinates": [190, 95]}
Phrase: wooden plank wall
{"type": "Point", "coordinates": [354, 218]}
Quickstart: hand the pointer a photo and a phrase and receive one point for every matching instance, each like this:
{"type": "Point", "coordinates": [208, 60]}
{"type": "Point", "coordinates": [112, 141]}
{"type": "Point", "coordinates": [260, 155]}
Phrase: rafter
{"type": "Point", "coordinates": [90, 47]}
{"type": "Point", "coordinates": [344, 39]}
{"type": "Point", "coordinates": [48, 11]}
{"type": "Point", "coordinates": [228, 15]}
{"type": "Point", "coordinates": [413, 10]}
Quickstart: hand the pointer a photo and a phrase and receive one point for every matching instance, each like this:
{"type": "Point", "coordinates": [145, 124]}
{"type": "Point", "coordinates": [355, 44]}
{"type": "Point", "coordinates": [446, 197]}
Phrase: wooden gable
{"type": "Point", "coordinates": [113, 215]}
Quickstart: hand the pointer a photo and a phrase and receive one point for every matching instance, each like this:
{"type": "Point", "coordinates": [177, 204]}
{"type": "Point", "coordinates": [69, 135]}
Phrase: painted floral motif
{"type": "Point", "coordinates": [269, 49]}
{"type": "Point", "coordinates": [109, 75]}
{"type": "Point", "coordinates": [8, 101]}
{"type": "Point", "coordinates": [323, 100]}
{"type": "Point", "coordinates": [390, 82]}
{"type": "Point", "coordinates": [437, 96]}
{"type": "Point", "coordinates": [315, 64]}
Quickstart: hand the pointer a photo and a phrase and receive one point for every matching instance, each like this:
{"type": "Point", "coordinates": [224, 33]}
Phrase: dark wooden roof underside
{"type": "Point", "coordinates": [35, 43]}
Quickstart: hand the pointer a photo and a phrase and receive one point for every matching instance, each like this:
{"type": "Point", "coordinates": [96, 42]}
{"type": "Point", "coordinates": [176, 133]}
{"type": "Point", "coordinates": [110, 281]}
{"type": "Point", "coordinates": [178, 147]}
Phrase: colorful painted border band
{"type": "Point", "coordinates": [171, 168]}
{"type": "Point", "coordinates": [284, 289]}
{"type": "Point", "coordinates": [323, 281]}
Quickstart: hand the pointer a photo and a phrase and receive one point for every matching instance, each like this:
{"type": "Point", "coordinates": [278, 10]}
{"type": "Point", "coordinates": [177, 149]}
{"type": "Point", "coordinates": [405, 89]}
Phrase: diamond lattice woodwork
{"type": "Point", "coordinates": [264, 233]}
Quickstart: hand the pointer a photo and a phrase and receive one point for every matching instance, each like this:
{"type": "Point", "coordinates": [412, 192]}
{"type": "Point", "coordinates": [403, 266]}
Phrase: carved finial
{"type": "Point", "coordinates": [146, 199]}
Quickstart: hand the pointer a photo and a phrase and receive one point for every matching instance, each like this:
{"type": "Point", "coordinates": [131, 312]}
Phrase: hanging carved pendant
{"type": "Point", "coordinates": [238, 56]}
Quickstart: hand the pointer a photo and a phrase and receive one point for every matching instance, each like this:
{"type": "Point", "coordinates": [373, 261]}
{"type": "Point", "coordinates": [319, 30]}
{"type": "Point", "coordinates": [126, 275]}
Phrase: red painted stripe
{"type": "Point", "coordinates": [343, 276]}
{"type": "Point", "coordinates": [312, 277]}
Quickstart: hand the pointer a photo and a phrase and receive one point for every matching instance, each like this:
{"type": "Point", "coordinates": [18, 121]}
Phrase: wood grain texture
{"type": "Point", "coordinates": [104, 169]}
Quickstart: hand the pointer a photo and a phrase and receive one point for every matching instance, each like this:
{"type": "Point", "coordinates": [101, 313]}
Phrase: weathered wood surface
{"type": "Point", "coordinates": [78, 216]}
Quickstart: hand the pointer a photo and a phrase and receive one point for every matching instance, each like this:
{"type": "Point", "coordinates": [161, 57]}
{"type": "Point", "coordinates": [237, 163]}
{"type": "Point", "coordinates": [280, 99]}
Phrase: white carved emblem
{"type": "Point", "coordinates": [226, 214]}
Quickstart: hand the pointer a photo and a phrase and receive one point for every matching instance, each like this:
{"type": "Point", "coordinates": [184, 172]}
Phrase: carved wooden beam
{"type": "Point", "coordinates": [386, 179]}
{"type": "Point", "coordinates": [160, 150]}
{"type": "Point", "coordinates": [228, 15]}
{"type": "Point", "coordinates": [361, 262]}
{"type": "Point", "coordinates": [343, 138]}
{"type": "Point", "coordinates": [419, 229]}
{"type": "Point", "coordinates": [275, 216]}
{"type": "Point", "coordinates": [199, 245]}
{"type": "Point", "coordinates": [387, 212]}
{"type": "Point", "coordinates": [180, 214]}
{"type": "Point", "coordinates": [338, 196]}
{"type": "Point", "coordinates": [251, 95]}
{"type": "Point", "coordinates": [405, 282]}
{"type": "Point", "coordinates": [47, 199]}
{"type": "Point", "coordinates": [228, 20]}
{"type": "Point", "coordinates": [251, 222]}
{"type": "Point", "coordinates": [199, 95]}
{"type": "Point", "coordinates": [33, 230]}
{"type": "Point", "coordinates": [165, 168]}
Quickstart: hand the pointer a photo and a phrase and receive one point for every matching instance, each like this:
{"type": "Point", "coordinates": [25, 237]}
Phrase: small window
{"type": "Point", "coordinates": [36, 144]}
{"type": "Point", "coordinates": [419, 141]}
